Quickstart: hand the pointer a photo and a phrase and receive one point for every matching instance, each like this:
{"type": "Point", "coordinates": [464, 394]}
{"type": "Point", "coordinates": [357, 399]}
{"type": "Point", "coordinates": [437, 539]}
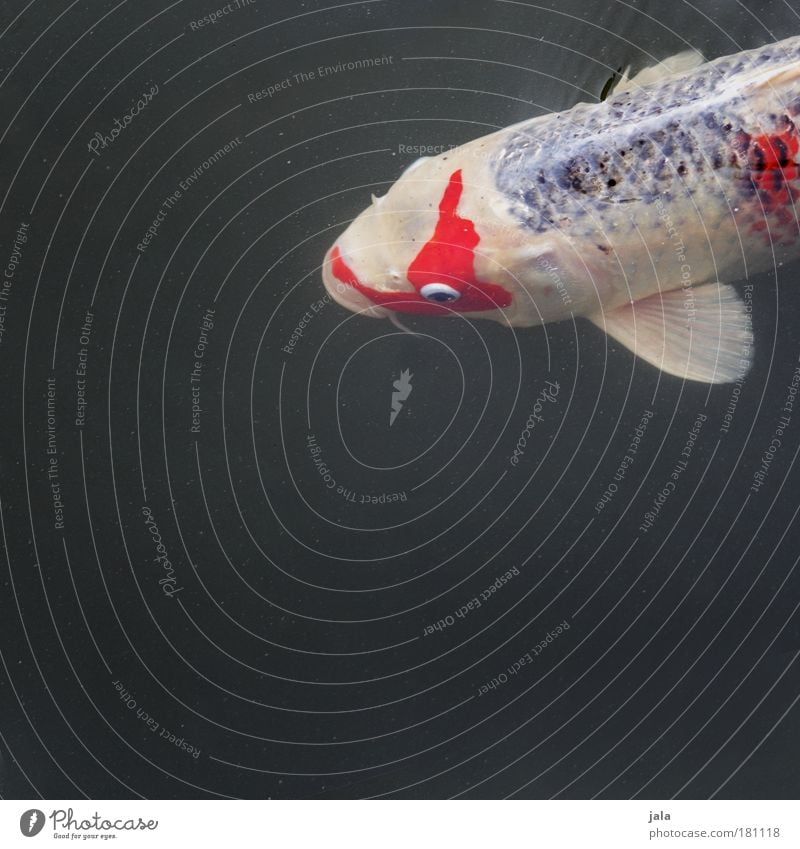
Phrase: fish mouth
{"type": "Point", "coordinates": [346, 295]}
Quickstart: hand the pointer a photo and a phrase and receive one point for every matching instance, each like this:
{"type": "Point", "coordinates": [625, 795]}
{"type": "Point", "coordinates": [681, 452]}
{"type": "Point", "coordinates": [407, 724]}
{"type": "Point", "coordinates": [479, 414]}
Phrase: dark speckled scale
{"type": "Point", "coordinates": [638, 145]}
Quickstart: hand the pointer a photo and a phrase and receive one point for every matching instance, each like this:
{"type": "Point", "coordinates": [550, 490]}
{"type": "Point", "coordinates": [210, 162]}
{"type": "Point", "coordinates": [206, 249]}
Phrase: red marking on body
{"type": "Point", "coordinates": [447, 257]}
{"type": "Point", "coordinates": [772, 166]}
{"type": "Point", "coordinates": [774, 172]}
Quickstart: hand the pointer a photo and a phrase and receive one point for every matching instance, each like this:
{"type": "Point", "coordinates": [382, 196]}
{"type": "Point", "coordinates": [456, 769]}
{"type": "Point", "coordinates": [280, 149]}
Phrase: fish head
{"type": "Point", "coordinates": [441, 242]}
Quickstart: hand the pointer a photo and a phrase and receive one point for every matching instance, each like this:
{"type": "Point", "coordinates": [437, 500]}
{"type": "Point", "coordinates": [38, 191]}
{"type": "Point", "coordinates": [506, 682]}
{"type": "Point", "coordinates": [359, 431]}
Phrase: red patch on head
{"type": "Point", "coordinates": [447, 257]}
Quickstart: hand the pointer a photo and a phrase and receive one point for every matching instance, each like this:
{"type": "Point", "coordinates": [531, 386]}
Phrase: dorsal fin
{"type": "Point", "coordinates": [672, 66]}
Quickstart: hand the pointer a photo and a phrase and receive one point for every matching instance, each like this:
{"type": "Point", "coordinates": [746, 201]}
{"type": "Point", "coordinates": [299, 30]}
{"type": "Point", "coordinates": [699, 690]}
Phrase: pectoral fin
{"type": "Point", "coordinates": [703, 333]}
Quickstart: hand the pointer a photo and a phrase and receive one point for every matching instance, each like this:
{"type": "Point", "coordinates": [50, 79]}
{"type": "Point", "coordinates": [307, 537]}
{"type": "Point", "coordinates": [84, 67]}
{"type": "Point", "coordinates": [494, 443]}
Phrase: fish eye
{"type": "Point", "coordinates": [440, 292]}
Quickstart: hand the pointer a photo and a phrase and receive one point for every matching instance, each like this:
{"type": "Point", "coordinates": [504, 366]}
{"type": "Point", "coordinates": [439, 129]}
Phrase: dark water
{"type": "Point", "coordinates": [310, 629]}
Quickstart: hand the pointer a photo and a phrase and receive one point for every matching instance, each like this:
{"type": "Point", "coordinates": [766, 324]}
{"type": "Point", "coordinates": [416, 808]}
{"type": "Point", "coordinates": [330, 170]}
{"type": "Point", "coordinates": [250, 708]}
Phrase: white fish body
{"type": "Point", "coordinates": [636, 213]}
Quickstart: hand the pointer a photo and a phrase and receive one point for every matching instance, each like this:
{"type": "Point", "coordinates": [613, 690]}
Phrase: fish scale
{"type": "Point", "coordinates": [681, 130]}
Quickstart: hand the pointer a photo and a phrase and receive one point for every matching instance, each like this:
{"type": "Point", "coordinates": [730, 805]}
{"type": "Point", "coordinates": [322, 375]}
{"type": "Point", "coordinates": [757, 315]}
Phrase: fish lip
{"type": "Point", "coordinates": [346, 295]}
